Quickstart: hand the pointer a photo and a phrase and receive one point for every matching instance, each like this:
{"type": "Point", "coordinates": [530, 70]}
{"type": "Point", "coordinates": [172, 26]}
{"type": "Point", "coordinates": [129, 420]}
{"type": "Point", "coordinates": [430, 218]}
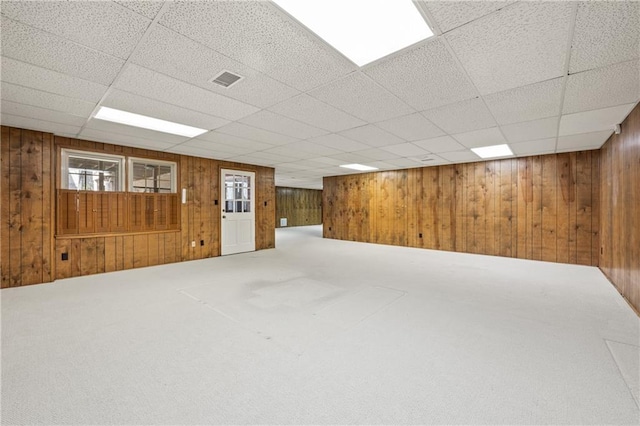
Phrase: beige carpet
{"type": "Point", "coordinates": [323, 331]}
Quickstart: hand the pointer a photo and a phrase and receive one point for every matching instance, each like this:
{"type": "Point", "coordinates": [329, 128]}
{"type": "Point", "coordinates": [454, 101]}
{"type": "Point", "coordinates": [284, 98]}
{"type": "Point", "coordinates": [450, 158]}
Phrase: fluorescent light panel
{"type": "Point", "coordinates": [137, 120]}
{"type": "Point", "coordinates": [360, 167]}
{"type": "Point", "coordinates": [362, 30]}
{"type": "Point", "coordinates": [493, 151]}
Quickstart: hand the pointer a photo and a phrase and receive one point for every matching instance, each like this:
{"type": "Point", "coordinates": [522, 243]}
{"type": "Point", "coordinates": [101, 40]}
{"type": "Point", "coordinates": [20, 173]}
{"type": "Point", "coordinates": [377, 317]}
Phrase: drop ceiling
{"type": "Point", "coordinates": [543, 77]}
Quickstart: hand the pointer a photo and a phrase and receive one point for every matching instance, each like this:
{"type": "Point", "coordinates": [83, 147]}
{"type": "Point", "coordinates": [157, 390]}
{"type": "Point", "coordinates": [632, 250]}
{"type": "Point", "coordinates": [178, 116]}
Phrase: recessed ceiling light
{"type": "Point", "coordinates": [362, 30]}
{"type": "Point", "coordinates": [360, 167]}
{"type": "Point", "coordinates": [493, 151]}
{"type": "Point", "coordinates": [137, 120]}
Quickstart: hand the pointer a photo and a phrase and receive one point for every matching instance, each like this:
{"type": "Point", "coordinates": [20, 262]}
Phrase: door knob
{"type": "Point", "coordinates": [224, 217]}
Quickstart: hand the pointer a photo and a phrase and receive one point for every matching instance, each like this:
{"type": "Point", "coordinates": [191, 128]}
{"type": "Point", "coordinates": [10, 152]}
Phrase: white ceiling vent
{"type": "Point", "coordinates": [426, 160]}
{"type": "Point", "coordinates": [226, 79]}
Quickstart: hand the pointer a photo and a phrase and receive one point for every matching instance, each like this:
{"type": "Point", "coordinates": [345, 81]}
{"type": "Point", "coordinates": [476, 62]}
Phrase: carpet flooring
{"type": "Point", "coordinates": [323, 332]}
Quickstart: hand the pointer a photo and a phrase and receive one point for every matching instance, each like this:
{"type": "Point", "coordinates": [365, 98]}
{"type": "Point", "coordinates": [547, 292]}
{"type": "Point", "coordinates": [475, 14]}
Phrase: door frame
{"type": "Point", "coordinates": [252, 199]}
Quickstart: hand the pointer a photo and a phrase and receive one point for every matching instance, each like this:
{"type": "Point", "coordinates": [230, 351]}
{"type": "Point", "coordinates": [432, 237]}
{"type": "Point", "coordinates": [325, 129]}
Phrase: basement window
{"type": "Point", "coordinates": [87, 171]}
{"type": "Point", "coordinates": [152, 176]}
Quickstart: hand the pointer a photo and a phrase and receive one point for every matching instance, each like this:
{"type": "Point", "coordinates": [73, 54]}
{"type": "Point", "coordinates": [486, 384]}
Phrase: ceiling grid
{"type": "Point", "coordinates": [543, 77]}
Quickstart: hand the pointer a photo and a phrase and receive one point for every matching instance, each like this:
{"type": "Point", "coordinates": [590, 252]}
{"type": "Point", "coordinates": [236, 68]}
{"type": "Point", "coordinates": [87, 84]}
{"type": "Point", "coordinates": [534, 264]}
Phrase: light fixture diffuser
{"type": "Point", "coordinates": [142, 121]}
{"type": "Point", "coordinates": [493, 151]}
{"type": "Point", "coordinates": [360, 167]}
{"type": "Point", "coordinates": [362, 30]}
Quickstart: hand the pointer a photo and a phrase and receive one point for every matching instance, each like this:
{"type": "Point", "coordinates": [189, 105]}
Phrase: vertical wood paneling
{"type": "Point", "coordinates": [27, 247]}
{"type": "Point", "coordinates": [490, 193]}
{"type": "Point", "coordinates": [302, 207]}
{"type": "Point", "coordinates": [549, 208]}
{"type": "Point", "coordinates": [514, 207]}
{"type": "Point", "coordinates": [619, 209]}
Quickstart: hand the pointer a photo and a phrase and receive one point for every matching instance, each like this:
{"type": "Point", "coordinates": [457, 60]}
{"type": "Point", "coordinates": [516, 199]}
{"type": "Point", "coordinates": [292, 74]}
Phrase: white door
{"type": "Point", "coordinates": [238, 212]}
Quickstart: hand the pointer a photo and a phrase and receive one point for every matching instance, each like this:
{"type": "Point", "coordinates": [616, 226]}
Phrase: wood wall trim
{"type": "Point", "coordinates": [113, 234]}
{"type": "Point", "coordinates": [539, 208]}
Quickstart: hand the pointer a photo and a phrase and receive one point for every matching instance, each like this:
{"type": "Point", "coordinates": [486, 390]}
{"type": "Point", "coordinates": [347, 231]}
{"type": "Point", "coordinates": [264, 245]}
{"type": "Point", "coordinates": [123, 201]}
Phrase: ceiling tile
{"type": "Point", "coordinates": [328, 160]}
{"type": "Point", "coordinates": [264, 159]}
{"type": "Point", "coordinates": [459, 156]}
{"type": "Point", "coordinates": [313, 149]}
{"type": "Point", "coordinates": [372, 136]}
{"type": "Point", "coordinates": [316, 113]}
{"type": "Point", "coordinates": [221, 150]}
{"type": "Point", "coordinates": [253, 133]}
{"type": "Point", "coordinates": [40, 125]}
{"type": "Point", "coordinates": [347, 158]}
{"type": "Point", "coordinates": [38, 98]}
{"type": "Point", "coordinates": [592, 121]}
{"type": "Point", "coordinates": [234, 141]}
{"type": "Point", "coordinates": [24, 74]}
{"type": "Point", "coordinates": [460, 117]}
{"type": "Point", "coordinates": [140, 105]}
{"type": "Point", "coordinates": [272, 158]}
{"type": "Point", "coordinates": [485, 137]}
{"type": "Point", "coordinates": [258, 34]}
{"type": "Point", "coordinates": [526, 103]}
{"type": "Point", "coordinates": [411, 127]}
{"type": "Point", "coordinates": [518, 45]}
{"type": "Point", "coordinates": [167, 52]}
{"type": "Point", "coordinates": [339, 142]}
{"type": "Point", "coordinates": [404, 150]}
{"type": "Point", "coordinates": [584, 141]}
{"type": "Point", "coordinates": [136, 132]}
{"type": "Point", "coordinates": [606, 32]}
{"type": "Point", "coordinates": [29, 111]}
{"type": "Point", "coordinates": [404, 163]}
{"type": "Point", "coordinates": [441, 144]}
{"type": "Point", "coordinates": [186, 149]}
{"type": "Point", "coordinates": [425, 77]}
{"type": "Point", "coordinates": [431, 160]}
{"type": "Point", "coordinates": [451, 14]}
{"type": "Point", "coordinates": [144, 82]}
{"type": "Point", "coordinates": [101, 25]}
{"type": "Point", "coordinates": [288, 152]}
{"type": "Point", "coordinates": [109, 136]}
{"type": "Point", "coordinates": [531, 130]}
{"type": "Point", "coordinates": [382, 165]}
{"type": "Point", "coordinates": [144, 7]}
{"type": "Point", "coordinates": [361, 97]}
{"type": "Point", "coordinates": [39, 48]}
{"type": "Point", "coordinates": [377, 154]}
{"type": "Point", "coordinates": [537, 147]}
{"type": "Point", "coordinates": [614, 85]}
{"type": "Point", "coordinates": [277, 123]}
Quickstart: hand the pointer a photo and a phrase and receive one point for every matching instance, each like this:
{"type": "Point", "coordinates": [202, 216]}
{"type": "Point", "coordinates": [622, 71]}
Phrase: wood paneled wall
{"type": "Point", "coordinates": [300, 206]}
{"type": "Point", "coordinates": [30, 253]}
{"type": "Point", "coordinates": [540, 207]}
{"type": "Point", "coordinates": [620, 209]}
{"type": "Point", "coordinates": [26, 208]}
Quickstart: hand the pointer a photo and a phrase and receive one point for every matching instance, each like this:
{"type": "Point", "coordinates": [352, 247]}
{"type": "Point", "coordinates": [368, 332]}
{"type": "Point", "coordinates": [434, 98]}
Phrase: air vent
{"type": "Point", "coordinates": [427, 159]}
{"type": "Point", "coordinates": [226, 79]}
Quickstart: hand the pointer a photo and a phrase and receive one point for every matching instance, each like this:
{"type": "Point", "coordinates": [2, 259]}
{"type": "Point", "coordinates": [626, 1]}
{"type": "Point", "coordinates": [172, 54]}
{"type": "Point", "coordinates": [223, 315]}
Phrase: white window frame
{"type": "Point", "coordinates": [64, 166]}
{"type": "Point", "coordinates": [172, 164]}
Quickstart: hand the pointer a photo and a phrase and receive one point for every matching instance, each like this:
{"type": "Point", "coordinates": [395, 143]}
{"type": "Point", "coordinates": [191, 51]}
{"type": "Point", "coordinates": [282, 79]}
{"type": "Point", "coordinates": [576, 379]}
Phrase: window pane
{"type": "Point", "coordinates": [246, 206]}
{"type": "Point", "coordinates": [93, 174]}
{"type": "Point", "coordinates": [148, 176]}
{"type": "Point", "coordinates": [238, 206]}
{"type": "Point", "coordinates": [228, 206]}
{"type": "Point", "coordinates": [228, 194]}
